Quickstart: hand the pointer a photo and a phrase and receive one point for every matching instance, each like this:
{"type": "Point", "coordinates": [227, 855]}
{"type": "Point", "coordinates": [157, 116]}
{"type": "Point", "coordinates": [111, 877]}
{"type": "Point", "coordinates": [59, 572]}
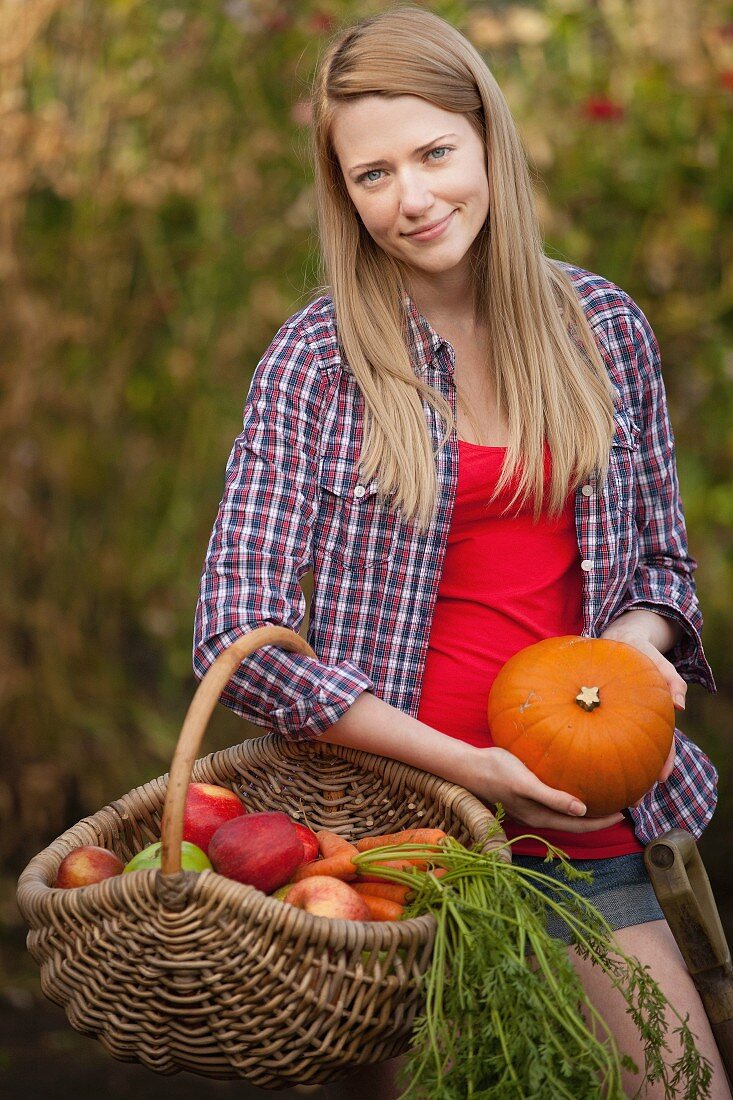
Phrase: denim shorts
{"type": "Point", "coordinates": [621, 889]}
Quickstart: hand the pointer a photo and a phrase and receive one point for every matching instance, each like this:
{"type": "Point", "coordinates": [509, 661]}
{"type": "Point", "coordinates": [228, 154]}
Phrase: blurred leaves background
{"type": "Point", "coordinates": [156, 228]}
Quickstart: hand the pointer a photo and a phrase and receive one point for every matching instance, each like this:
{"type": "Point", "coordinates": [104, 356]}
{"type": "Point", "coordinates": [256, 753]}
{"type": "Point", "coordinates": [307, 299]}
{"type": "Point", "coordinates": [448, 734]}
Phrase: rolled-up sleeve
{"type": "Point", "coordinates": [261, 546]}
{"type": "Point", "coordinates": [663, 580]}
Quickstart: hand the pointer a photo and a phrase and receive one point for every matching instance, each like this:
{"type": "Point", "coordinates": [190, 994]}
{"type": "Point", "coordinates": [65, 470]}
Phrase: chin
{"type": "Point", "coordinates": [442, 262]}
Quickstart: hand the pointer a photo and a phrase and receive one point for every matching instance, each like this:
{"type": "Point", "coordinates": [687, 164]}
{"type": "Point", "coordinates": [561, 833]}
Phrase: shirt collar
{"type": "Point", "coordinates": [424, 341]}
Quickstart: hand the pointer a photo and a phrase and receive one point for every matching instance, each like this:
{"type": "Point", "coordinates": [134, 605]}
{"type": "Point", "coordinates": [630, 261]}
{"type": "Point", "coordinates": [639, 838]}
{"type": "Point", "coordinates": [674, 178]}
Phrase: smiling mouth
{"type": "Point", "coordinates": [429, 228]}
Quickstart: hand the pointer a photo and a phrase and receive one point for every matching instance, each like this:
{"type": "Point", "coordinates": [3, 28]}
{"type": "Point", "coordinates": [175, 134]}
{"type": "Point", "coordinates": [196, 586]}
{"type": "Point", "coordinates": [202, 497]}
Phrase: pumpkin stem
{"type": "Point", "coordinates": [588, 698]}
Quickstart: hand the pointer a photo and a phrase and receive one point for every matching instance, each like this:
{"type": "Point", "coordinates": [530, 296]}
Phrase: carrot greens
{"type": "Point", "coordinates": [505, 1014]}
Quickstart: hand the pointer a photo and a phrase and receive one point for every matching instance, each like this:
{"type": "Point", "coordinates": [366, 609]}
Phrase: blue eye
{"type": "Point", "coordinates": [374, 175]}
{"type": "Point", "coordinates": [364, 177]}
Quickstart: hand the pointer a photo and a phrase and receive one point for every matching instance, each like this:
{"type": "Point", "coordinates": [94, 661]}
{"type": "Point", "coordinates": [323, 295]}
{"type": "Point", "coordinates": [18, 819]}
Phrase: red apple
{"type": "Point", "coordinates": [260, 849]}
{"type": "Point", "coordinates": [309, 840]}
{"type": "Point", "coordinates": [87, 864]}
{"type": "Point", "coordinates": [324, 896]}
{"type": "Point", "coordinates": [208, 807]}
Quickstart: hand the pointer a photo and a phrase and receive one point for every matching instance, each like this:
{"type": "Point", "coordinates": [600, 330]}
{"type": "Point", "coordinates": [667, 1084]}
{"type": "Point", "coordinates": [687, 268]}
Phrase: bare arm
{"type": "Point", "coordinates": [493, 775]}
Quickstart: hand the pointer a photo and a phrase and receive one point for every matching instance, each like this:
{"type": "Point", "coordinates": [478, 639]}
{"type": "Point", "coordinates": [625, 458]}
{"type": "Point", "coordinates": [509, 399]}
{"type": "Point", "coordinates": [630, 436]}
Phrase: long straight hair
{"type": "Point", "coordinates": [550, 380]}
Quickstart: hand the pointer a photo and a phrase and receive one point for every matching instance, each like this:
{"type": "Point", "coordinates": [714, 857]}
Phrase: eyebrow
{"type": "Point", "coordinates": [421, 149]}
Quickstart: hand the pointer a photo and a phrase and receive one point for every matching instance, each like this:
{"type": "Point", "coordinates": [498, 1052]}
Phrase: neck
{"type": "Point", "coordinates": [445, 300]}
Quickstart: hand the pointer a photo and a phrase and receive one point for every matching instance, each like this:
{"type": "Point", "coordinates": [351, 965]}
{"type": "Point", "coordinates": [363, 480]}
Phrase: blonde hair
{"type": "Point", "coordinates": [550, 379]}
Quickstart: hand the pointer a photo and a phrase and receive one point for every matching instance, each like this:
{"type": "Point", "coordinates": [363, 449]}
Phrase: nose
{"type": "Point", "coordinates": [415, 196]}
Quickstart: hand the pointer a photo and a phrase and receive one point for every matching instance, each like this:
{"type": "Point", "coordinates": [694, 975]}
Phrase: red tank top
{"type": "Point", "coordinates": [506, 583]}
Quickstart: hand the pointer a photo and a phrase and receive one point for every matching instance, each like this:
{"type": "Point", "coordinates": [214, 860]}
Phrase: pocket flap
{"type": "Point", "coordinates": [343, 480]}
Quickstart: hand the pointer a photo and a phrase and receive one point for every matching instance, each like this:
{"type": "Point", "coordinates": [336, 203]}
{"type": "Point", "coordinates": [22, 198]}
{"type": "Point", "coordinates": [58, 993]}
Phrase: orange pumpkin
{"type": "Point", "coordinates": [589, 716]}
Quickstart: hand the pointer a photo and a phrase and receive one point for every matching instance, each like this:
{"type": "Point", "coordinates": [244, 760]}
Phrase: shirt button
{"type": "Point", "coordinates": [586, 564]}
{"type": "Point", "coordinates": [587, 490]}
{"type": "Point", "coordinates": [359, 491]}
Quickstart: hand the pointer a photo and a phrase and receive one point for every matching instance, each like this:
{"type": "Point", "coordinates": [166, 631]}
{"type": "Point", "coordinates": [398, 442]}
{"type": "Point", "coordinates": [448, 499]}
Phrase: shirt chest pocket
{"type": "Point", "coordinates": [356, 529]}
{"type": "Point", "coordinates": [622, 464]}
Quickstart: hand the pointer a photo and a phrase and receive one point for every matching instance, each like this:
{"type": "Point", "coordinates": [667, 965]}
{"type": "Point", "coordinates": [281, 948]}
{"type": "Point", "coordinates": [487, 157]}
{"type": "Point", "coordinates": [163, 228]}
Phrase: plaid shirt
{"type": "Point", "coordinates": [294, 501]}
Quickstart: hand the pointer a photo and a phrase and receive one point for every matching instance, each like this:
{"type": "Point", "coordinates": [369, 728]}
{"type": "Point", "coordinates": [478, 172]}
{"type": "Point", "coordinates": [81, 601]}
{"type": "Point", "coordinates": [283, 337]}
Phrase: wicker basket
{"type": "Point", "coordinates": [185, 971]}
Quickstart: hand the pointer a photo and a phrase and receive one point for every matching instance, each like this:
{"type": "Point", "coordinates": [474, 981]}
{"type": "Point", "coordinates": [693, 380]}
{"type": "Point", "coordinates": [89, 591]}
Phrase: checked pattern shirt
{"type": "Point", "coordinates": [294, 501]}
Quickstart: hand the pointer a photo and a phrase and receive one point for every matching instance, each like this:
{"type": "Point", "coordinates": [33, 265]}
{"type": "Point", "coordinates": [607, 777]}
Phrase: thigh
{"type": "Point", "coordinates": [654, 946]}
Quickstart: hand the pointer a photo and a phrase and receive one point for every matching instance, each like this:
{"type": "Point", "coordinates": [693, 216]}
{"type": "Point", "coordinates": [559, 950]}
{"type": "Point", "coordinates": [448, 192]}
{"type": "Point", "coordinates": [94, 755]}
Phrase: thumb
{"type": "Point", "coordinates": [560, 801]}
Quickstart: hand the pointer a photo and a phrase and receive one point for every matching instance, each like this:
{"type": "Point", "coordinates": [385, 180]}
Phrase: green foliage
{"type": "Point", "coordinates": [505, 1013]}
{"type": "Point", "coordinates": [158, 227]}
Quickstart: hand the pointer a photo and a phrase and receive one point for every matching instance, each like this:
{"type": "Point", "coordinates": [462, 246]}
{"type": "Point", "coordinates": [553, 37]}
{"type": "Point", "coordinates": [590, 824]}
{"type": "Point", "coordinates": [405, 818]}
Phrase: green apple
{"type": "Point", "coordinates": [192, 858]}
{"type": "Point", "coordinates": [282, 893]}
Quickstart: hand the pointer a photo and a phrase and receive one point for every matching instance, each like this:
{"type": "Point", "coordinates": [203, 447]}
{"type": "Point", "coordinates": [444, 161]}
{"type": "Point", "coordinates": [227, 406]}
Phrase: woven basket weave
{"type": "Point", "coordinates": [185, 971]}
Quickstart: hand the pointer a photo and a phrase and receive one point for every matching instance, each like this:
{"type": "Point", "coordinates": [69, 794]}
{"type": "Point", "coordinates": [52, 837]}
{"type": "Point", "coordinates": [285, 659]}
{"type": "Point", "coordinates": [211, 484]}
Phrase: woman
{"type": "Point", "coordinates": [468, 445]}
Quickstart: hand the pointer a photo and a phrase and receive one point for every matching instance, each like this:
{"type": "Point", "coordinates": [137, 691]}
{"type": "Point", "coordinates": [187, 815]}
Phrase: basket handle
{"type": "Point", "coordinates": [195, 723]}
{"type": "Point", "coordinates": [683, 890]}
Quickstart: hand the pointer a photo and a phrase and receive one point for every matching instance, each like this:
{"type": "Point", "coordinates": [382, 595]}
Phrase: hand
{"type": "Point", "coordinates": [650, 633]}
{"type": "Point", "coordinates": [667, 769]}
{"type": "Point", "coordinates": [501, 777]}
{"type": "Point", "coordinates": [653, 635]}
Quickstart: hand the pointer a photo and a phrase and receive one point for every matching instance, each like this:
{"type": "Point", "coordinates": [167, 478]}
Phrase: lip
{"type": "Point", "coordinates": [430, 232]}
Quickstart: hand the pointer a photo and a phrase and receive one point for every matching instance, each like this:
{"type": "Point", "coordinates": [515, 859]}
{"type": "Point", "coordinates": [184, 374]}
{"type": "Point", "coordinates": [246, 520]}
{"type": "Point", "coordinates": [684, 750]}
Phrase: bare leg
{"type": "Point", "coordinates": [654, 945]}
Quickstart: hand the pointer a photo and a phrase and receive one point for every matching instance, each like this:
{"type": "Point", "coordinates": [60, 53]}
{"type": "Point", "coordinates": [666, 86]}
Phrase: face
{"type": "Point", "coordinates": [408, 165]}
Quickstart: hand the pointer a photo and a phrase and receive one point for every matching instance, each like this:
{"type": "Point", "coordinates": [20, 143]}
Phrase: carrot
{"type": "Point", "coordinates": [338, 866]}
{"type": "Point", "coordinates": [331, 844]}
{"type": "Point", "coordinates": [407, 836]}
{"type": "Point", "coordinates": [393, 891]}
{"type": "Point", "coordinates": [395, 865]}
{"type": "Point", "coordinates": [402, 864]}
{"type": "Point", "coordinates": [382, 908]}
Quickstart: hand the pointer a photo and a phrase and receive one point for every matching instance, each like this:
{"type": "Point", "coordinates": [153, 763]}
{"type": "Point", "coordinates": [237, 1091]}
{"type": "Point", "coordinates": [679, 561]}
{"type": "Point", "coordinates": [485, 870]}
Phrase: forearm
{"type": "Point", "coordinates": [492, 774]}
{"type": "Point", "coordinates": [375, 726]}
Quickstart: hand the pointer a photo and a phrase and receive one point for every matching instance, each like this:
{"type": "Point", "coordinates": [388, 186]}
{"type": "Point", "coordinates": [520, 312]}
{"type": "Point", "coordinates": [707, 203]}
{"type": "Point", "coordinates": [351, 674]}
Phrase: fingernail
{"type": "Point", "coordinates": [680, 701]}
{"type": "Point", "coordinates": [577, 808]}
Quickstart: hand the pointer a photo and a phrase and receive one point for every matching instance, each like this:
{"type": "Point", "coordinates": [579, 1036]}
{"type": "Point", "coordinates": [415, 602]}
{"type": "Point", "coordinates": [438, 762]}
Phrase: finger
{"type": "Point", "coordinates": [677, 686]}
{"type": "Point", "coordinates": [667, 769]}
{"type": "Point", "coordinates": [669, 764]}
{"type": "Point", "coordinates": [539, 794]}
{"type": "Point", "coordinates": [675, 683]}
